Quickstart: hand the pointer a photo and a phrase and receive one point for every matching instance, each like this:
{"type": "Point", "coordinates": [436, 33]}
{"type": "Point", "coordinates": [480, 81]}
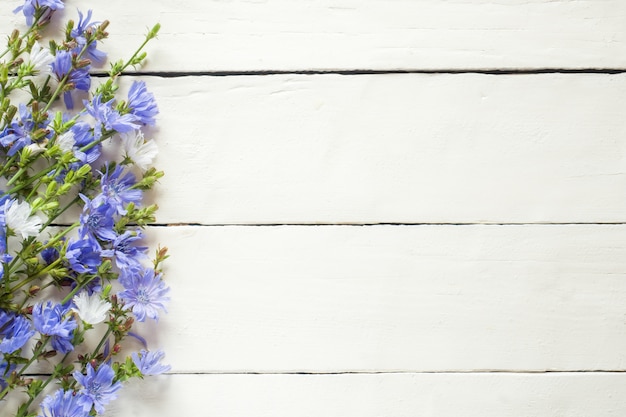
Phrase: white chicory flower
{"type": "Point", "coordinates": [66, 141]}
{"type": "Point", "coordinates": [142, 152]}
{"type": "Point", "coordinates": [91, 309]}
{"type": "Point", "coordinates": [40, 58]}
{"type": "Point", "coordinates": [18, 218]}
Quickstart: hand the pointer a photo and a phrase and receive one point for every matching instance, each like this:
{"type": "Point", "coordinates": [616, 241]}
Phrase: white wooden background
{"type": "Point", "coordinates": [386, 207]}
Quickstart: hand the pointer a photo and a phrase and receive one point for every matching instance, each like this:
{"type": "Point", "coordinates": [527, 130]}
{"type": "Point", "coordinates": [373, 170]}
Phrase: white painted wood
{"type": "Point", "coordinates": [392, 148]}
{"type": "Point", "coordinates": [244, 35]}
{"type": "Point", "coordinates": [389, 148]}
{"type": "Point", "coordinates": [421, 298]}
{"type": "Point", "coordinates": [405, 395]}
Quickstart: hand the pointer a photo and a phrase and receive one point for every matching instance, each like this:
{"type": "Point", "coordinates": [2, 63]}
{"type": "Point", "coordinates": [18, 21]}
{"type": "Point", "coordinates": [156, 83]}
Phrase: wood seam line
{"type": "Point", "coordinates": [330, 373]}
{"type": "Point", "coordinates": [177, 74]}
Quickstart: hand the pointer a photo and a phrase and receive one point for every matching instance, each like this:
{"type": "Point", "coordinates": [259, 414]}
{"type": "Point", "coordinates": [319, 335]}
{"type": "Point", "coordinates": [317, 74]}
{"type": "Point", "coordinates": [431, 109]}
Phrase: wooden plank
{"type": "Point", "coordinates": [440, 395]}
{"type": "Point", "coordinates": [392, 148]}
{"type": "Point", "coordinates": [421, 298]}
{"type": "Point", "coordinates": [251, 35]}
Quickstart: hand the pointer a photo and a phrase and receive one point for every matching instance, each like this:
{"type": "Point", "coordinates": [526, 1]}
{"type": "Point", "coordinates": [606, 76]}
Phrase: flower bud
{"type": "Point", "coordinates": [32, 291]}
{"type": "Point", "coordinates": [50, 354]}
{"type": "Point", "coordinates": [83, 63]}
{"type": "Point", "coordinates": [13, 378]}
{"type": "Point", "coordinates": [129, 323]}
{"type": "Point", "coordinates": [26, 381]}
{"type": "Point", "coordinates": [14, 35]}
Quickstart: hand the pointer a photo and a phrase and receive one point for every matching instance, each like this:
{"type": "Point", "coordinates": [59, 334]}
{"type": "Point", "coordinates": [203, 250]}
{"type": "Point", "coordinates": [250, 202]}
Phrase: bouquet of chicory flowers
{"type": "Point", "coordinates": [74, 276]}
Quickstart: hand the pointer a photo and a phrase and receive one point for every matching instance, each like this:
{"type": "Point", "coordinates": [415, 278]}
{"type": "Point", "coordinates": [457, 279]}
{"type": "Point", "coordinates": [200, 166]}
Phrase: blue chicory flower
{"type": "Point", "coordinates": [64, 404]}
{"type": "Point", "coordinates": [5, 257]}
{"type": "Point", "coordinates": [15, 331]}
{"type": "Point", "coordinates": [148, 362]}
{"type": "Point", "coordinates": [30, 7]}
{"type": "Point", "coordinates": [52, 320]}
{"type": "Point", "coordinates": [49, 255]}
{"type": "Point", "coordinates": [98, 386]}
{"type": "Point", "coordinates": [5, 371]}
{"type": "Point", "coordinates": [77, 77]}
{"type": "Point", "coordinates": [117, 189]}
{"type": "Point", "coordinates": [83, 254]}
{"type": "Point", "coordinates": [145, 293]}
{"type": "Point", "coordinates": [78, 33]}
{"type": "Point", "coordinates": [18, 133]}
{"type": "Point", "coordinates": [97, 219]}
{"type": "Point", "coordinates": [109, 118]}
{"type": "Point", "coordinates": [141, 103]}
{"type": "Point", "coordinates": [3, 199]}
{"type": "Point", "coordinates": [3, 249]}
{"type": "Point", "coordinates": [83, 136]}
{"type": "Point", "coordinates": [124, 253]}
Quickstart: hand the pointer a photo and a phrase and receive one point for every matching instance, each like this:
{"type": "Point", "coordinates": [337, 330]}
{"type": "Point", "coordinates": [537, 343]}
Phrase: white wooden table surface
{"type": "Point", "coordinates": [386, 207]}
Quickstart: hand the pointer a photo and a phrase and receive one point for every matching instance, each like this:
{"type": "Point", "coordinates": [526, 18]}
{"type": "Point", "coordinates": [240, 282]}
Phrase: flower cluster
{"type": "Point", "coordinates": [75, 277]}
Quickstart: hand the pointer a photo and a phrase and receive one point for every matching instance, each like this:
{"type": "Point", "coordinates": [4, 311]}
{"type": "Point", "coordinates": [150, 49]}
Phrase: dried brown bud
{"type": "Point", "coordinates": [129, 323]}
{"type": "Point", "coordinates": [83, 63]}
{"type": "Point", "coordinates": [50, 354]}
{"type": "Point", "coordinates": [27, 381]}
{"type": "Point", "coordinates": [34, 290]}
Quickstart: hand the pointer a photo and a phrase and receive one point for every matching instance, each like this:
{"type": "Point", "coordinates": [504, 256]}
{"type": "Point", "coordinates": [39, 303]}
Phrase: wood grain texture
{"type": "Point", "coordinates": [464, 148]}
{"type": "Point", "coordinates": [394, 298]}
{"type": "Point", "coordinates": [245, 35]}
{"type": "Point", "coordinates": [406, 395]}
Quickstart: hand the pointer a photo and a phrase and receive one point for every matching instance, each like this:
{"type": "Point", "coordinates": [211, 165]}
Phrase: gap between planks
{"type": "Point", "coordinates": [399, 372]}
{"type": "Point", "coordinates": [179, 74]}
{"type": "Point", "coordinates": [192, 224]}
{"type": "Point", "coordinates": [382, 224]}
{"type": "Point", "coordinates": [184, 224]}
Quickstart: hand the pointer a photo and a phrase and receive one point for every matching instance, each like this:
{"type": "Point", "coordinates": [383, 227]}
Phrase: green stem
{"type": "Point", "coordinates": [14, 265]}
{"type": "Point", "coordinates": [33, 277]}
{"type": "Point", "coordinates": [63, 82]}
{"type": "Point", "coordinates": [108, 134]}
{"type": "Point", "coordinates": [128, 63]}
{"type": "Point", "coordinates": [61, 235]}
{"type": "Point", "coordinates": [56, 215]}
{"type": "Point", "coordinates": [102, 341]}
{"type": "Point", "coordinates": [78, 288]}
{"type": "Point", "coordinates": [16, 176]}
{"type": "Point", "coordinates": [58, 90]}
{"type": "Point", "coordinates": [7, 165]}
{"type": "Point", "coordinates": [44, 341]}
{"type": "Point", "coordinates": [52, 377]}
{"type": "Point", "coordinates": [33, 179]}
{"type": "Point", "coordinates": [25, 35]}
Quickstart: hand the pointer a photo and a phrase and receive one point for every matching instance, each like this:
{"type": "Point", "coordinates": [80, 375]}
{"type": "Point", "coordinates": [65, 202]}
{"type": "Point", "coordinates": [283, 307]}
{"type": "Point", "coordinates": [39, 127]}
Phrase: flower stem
{"type": "Point", "coordinates": [48, 380]}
